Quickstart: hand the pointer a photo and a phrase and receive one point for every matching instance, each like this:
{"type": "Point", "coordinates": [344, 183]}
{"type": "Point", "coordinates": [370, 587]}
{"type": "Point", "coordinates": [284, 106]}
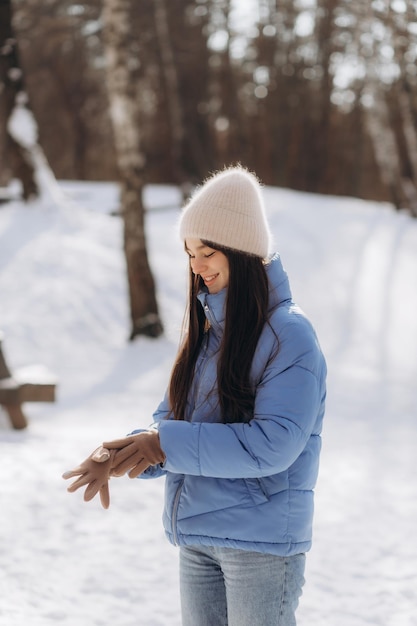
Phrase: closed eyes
{"type": "Point", "coordinates": [206, 256]}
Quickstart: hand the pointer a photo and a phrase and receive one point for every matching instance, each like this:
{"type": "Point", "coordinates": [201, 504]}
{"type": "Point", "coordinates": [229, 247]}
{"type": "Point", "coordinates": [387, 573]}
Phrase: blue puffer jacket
{"type": "Point", "coordinates": [249, 485]}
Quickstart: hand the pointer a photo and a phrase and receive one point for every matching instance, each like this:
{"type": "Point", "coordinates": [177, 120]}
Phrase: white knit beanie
{"type": "Point", "coordinates": [228, 210]}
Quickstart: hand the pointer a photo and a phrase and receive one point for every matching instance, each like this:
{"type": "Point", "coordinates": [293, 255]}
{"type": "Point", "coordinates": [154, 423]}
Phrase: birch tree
{"type": "Point", "coordinates": [131, 162]}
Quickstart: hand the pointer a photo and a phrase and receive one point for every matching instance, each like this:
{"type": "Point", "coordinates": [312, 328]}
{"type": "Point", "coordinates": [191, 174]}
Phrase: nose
{"type": "Point", "coordinates": [197, 265]}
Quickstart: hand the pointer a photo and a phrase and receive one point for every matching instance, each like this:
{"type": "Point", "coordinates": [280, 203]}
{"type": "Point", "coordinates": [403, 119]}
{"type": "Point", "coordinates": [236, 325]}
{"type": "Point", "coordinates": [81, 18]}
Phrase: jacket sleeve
{"type": "Point", "coordinates": [288, 400]}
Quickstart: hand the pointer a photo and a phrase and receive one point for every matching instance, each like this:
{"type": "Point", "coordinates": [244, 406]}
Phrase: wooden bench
{"type": "Point", "coordinates": [26, 384]}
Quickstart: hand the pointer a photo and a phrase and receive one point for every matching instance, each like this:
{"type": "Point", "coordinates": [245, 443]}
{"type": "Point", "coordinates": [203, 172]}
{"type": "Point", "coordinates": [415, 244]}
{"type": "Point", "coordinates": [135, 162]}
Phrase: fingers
{"type": "Point", "coordinates": [117, 443]}
{"type": "Point", "coordinates": [155, 457]}
{"type": "Point", "coordinates": [92, 490]}
{"type": "Point", "coordinates": [82, 480]}
{"type": "Point", "coordinates": [93, 474]}
{"type": "Point", "coordinates": [119, 456]}
{"type": "Point", "coordinates": [139, 468]}
{"type": "Point", "coordinates": [105, 496]}
{"type": "Point", "coordinates": [71, 473]}
{"type": "Point", "coordinates": [94, 486]}
{"type": "Point", "coordinates": [127, 464]}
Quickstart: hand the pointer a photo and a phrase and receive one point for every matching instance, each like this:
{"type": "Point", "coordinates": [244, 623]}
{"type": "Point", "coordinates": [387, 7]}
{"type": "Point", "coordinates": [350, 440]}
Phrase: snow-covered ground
{"type": "Point", "coordinates": [353, 268]}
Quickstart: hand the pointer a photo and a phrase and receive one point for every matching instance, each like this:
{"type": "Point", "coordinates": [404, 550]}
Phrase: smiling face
{"type": "Point", "coordinates": [212, 265]}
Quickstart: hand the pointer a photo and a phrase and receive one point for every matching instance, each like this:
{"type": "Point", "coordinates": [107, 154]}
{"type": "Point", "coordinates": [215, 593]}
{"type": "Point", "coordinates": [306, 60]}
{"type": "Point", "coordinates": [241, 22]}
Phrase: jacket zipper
{"type": "Point", "coordinates": [177, 496]}
{"type": "Point", "coordinates": [209, 315]}
{"type": "Point", "coordinates": [175, 512]}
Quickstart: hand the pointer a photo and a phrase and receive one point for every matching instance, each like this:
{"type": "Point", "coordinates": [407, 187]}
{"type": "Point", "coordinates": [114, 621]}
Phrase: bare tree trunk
{"type": "Point", "coordinates": [15, 159]}
{"type": "Point", "coordinates": [409, 176]}
{"type": "Point", "coordinates": [385, 148]}
{"type": "Point", "coordinates": [172, 93]}
{"type": "Point", "coordinates": [131, 162]}
{"type": "Point", "coordinates": [326, 49]}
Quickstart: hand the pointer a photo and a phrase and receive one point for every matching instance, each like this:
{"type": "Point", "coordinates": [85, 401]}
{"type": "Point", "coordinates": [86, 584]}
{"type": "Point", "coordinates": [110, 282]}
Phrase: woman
{"type": "Point", "coordinates": [238, 433]}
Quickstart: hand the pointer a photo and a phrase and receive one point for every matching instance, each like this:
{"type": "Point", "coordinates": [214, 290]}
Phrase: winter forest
{"type": "Point", "coordinates": [316, 95]}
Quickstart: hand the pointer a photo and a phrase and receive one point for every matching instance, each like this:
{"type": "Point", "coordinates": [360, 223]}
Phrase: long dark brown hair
{"type": "Point", "coordinates": [246, 315]}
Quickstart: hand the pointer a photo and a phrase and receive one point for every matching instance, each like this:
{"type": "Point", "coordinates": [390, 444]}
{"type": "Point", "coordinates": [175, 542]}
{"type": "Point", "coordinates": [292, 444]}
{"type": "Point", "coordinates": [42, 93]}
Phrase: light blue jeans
{"type": "Point", "coordinates": [228, 587]}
